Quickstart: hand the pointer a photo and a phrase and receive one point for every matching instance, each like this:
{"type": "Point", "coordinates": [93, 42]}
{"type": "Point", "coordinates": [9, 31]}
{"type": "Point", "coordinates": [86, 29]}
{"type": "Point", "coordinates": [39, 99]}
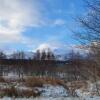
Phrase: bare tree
{"type": "Point", "coordinates": [2, 56]}
{"type": "Point", "coordinates": [37, 55]}
{"type": "Point", "coordinates": [19, 56]}
{"type": "Point", "coordinates": [90, 34]}
{"type": "Point", "coordinates": [43, 55]}
{"type": "Point", "coordinates": [50, 55]}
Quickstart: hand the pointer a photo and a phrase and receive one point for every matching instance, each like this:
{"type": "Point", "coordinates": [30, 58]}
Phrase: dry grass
{"type": "Point", "coordinates": [38, 82]}
{"type": "Point", "coordinates": [34, 82]}
{"type": "Point", "coordinates": [28, 93]}
{"type": "Point", "coordinates": [14, 80]}
{"type": "Point", "coordinates": [28, 82]}
{"type": "Point", "coordinates": [53, 81]}
{"type": "Point", "coordinates": [10, 92]}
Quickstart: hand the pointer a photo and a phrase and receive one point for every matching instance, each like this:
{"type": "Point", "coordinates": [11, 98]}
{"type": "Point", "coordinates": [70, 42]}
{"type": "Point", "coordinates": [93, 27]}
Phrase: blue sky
{"type": "Point", "coordinates": [30, 24]}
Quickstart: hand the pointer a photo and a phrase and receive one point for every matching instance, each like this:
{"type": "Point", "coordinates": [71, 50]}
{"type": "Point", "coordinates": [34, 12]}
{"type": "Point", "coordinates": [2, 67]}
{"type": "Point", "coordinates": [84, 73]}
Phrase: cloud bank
{"type": "Point", "coordinates": [15, 16]}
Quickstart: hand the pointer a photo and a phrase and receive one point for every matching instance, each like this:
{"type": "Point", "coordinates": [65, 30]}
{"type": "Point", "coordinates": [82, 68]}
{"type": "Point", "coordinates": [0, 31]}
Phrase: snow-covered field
{"type": "Point", "coordinates": [51, 91]}
{"type": "Point", "coordinates": [51, 98]}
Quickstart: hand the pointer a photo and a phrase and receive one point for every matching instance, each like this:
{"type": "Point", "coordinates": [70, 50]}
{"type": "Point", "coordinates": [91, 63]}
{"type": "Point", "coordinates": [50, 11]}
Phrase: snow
{"type": "Point", "coordinates": [88, 94]}
{"type": "Point", "coordinates": [40, 98]}
{"type": "Point", "coordinates": [53, 91]}
{"type": "Point", "coordinates": [20, 88]}
{"type": "Point", "coordinates": [51, 98]}
{"type": "Point", "coordinates": [11, 76]}
{"type": "Point", "coordinates": [80, 93]}
{"type": "Point", "coordinates": [93, 98]}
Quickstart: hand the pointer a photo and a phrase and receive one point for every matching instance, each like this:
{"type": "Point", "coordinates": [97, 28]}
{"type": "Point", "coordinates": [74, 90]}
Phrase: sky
{"type": "Point", "coordinates": [26, 25]}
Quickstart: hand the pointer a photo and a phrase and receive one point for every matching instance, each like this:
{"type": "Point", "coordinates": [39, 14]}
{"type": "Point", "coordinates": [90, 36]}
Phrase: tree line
{"type": "Point", "coordinates": [74, 67]}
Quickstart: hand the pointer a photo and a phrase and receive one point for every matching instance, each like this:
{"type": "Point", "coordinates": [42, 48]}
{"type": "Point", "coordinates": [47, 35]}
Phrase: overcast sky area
{"type": "Point", "coordinates": [29, 24]}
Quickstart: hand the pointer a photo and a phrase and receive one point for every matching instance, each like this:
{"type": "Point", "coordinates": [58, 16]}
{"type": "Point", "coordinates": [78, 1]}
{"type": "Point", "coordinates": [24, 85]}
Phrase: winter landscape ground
{"type": "Point", "coordinates": [36, 88]}
{"type": "Point", "coordinates": [49, 49]}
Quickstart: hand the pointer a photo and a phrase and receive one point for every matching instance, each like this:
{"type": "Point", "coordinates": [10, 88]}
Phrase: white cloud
{"type": "Point", "coordinates": [15, 16]}
{"type": "Point", "coordinates": [59, 22]}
